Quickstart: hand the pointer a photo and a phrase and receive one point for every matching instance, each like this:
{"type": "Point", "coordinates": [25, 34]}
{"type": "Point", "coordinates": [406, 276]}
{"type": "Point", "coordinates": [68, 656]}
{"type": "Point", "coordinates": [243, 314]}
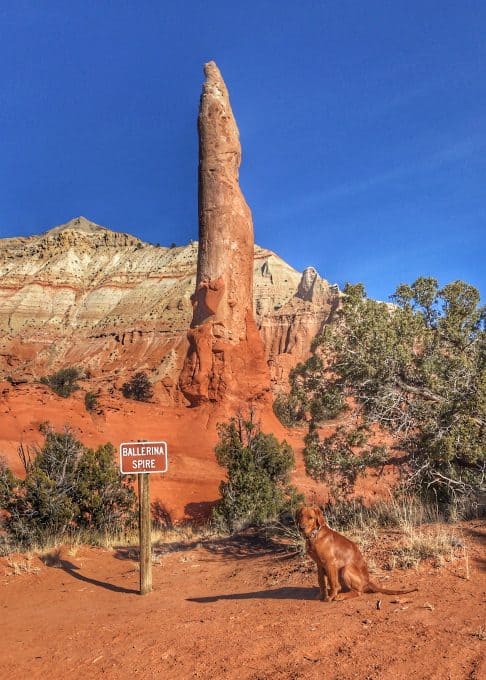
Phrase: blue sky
{"type": "Point", "coordinates": [362, 123]}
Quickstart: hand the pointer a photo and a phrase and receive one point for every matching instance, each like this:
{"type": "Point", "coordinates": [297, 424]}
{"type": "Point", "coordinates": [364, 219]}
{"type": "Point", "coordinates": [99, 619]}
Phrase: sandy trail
{"type": "Point", "coordinates": [236, 609]}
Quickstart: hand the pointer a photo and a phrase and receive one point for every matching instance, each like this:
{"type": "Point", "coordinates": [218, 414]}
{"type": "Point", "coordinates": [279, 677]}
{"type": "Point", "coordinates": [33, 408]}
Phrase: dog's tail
{"type": "Point", "coordinates": [375, 588]}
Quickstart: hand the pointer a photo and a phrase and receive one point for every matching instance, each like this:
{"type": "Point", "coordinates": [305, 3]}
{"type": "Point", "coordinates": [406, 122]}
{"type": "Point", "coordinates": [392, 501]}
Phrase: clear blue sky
{"type": "Point", "coordinates": [363, 126]}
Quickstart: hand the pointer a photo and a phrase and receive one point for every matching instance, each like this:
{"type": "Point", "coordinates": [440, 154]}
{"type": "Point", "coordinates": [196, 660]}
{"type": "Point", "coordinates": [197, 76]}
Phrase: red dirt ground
{"type": "Point", "coordinates": [237, 608]}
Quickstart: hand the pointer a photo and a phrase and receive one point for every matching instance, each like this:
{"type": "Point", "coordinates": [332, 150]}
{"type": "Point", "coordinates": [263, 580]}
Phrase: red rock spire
{"type": "Point", "coordinates": [226, 352]}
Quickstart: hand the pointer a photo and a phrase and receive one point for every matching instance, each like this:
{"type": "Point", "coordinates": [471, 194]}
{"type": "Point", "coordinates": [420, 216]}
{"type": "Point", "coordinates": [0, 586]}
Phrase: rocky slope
{"type": "Point", "coordinates": [81, 294]}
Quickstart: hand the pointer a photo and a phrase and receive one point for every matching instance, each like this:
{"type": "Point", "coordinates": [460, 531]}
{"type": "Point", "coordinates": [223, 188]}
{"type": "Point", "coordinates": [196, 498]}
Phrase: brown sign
{"type": "Point", "coordinates": [139, 457]}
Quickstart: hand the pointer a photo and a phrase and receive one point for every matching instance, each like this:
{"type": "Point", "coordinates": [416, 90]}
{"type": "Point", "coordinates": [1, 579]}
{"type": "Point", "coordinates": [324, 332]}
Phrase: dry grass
{"type": "Point", "coordinates": [480, 634]}
{"type": "Point", "coordinates": [433, 542]}
{"type": "Point", "coordinates": [418, 533]}
{"type": "Point", "coordinates": [22, 567]}
{"type": "Point", "coordinates": [291, 536]}
{"type": "Point", "coordinates": [73, 549]}
{"type": "Point", "coordinates": [421, 533]}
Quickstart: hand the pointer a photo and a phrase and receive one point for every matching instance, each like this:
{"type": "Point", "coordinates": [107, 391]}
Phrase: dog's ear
{"type": "Point", "coordinates": [320, 519]}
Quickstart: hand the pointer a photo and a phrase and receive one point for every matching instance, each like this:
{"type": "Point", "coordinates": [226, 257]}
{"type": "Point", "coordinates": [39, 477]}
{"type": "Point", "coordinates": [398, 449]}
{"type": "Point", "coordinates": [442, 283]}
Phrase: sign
{"type": "Point", "coordinates": [139, 457]}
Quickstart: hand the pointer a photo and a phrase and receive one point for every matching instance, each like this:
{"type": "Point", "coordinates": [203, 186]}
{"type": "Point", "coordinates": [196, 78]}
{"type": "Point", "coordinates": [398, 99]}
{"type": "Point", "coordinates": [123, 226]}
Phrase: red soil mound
{"type": "Point", "coordinates": [191, 485]}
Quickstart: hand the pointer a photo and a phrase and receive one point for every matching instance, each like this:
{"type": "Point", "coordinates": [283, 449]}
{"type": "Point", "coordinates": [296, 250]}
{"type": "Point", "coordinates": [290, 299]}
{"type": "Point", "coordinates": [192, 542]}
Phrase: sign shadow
{"type": "Point", "coordinates": [73, 571]}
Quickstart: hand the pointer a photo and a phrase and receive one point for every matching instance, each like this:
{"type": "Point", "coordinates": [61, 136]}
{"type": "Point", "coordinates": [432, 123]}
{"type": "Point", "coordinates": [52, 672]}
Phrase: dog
{"type": "Point", "coordinates": [339, 561]}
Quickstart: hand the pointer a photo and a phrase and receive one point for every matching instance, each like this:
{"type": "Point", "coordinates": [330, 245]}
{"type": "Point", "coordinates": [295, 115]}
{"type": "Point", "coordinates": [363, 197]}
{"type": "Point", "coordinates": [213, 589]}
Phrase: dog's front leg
{"type": "Point", "coordinates": [322, 578]}
{"type": "Point", "coordinates": [332, 575]}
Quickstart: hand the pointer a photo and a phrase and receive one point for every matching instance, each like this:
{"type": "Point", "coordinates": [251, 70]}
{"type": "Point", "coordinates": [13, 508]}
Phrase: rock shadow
{"type": "Point", "coordinates": [199, 512]}
{"type": "Point", "coordinates": [161, 516]}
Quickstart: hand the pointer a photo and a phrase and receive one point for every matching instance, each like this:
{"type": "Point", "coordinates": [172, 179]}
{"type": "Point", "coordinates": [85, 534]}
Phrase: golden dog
{"type": "Point", "coordinates": [338, 559]}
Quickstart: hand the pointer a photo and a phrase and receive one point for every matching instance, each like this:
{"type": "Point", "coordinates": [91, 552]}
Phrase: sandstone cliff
{"type": "Point", "coordinates": [81, 294]}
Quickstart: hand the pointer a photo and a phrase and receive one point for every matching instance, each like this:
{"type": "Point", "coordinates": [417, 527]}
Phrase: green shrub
{"type": "Point", "coordinates": [64, 382]}
{"type": "Point", "coordinates": [415, 370]}
{"type": "Point", "coordinates": [257, 490]}
{"type": "Point", "coordinates": [7, 484]}
{"type": "Point", "coordinates": [105, 501]}
{"type": "Point", "coordinates": [288, 409]}
{"type": "Point", "coordinates": [68, 488]}
{"type": "Point", "coordinates": [138, 388]}
{"type": "Point", "coordinates": [90, 401]}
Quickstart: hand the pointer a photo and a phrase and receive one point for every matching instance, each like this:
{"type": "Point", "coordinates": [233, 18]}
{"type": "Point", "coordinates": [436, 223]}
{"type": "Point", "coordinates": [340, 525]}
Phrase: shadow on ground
{"type": "Point", "coordinates": [291, 593]}
{"type": "Point", "coordinates": [73, 570]}
{"type": "Point", "coordinates": [238, 547]}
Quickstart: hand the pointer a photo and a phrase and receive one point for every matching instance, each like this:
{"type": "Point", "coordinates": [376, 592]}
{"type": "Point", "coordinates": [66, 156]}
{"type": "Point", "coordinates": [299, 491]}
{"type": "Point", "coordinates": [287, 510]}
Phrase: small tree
{"type": "Point", "coordinates": [105, 501]}
{"type": "Point", "coordinates": [64, 382]}
{"type": "Point", "coordinates": [288, 409]}
{"type": "Point", "coordinates": [138, 388]}
{"type": "Point", "coordinates": [258, 466]}
{"type": "Point", "coordinates": [416, 369]}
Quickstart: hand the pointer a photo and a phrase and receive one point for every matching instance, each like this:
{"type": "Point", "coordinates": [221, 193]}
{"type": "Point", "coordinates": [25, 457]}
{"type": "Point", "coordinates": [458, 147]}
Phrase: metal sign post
{"type": "Point", "coordinates": [143, 458]}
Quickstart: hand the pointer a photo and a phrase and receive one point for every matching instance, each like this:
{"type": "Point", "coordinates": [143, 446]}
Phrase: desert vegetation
{"type": "Point", "coordinates": [414, 369]}
{"type": "Point", "coordinates": [257, 489]}
{"type": "Point", "coordinates": [138, 388]}
{"type": "Point", "coordinates": [63, 382]}
{"type": "Point", "coordinates": [68, 491]}
{"type": "Point", "coordinates": [90, 401]}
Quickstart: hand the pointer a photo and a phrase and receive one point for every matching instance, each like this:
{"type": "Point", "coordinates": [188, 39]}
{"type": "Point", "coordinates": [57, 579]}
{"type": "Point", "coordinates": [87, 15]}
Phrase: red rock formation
{"type": "Point", "coordinates": [226, 354]}
{"type": "Point", "coordinates": [288, 331]}
{"type": "Point", "coordinates": [81, 294]}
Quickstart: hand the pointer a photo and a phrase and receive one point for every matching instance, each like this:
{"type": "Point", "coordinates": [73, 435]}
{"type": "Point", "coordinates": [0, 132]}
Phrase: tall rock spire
{"type": "Point", "coordinates": [225, 349]}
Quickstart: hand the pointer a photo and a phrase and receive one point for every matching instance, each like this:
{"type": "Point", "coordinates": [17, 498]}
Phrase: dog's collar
{"type": "Point", "coordinates": [313, 534]}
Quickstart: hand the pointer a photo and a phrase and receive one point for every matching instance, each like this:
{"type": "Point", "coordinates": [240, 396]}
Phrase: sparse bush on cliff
{"type": "Point", "coordinates": [63, 382]}
{"type": "Point", "coordinates": [415, 369]}
{"type": "Point", "coordinates": [67, 488]}
{"type": "Point", "coordinates": [138, 388]}
{"type": "Point", "coordinates": [257, 489]}
{"type": "Point", "coordinates": [7, 484]}
{"type": "Point", "coordinates": [90, 401]}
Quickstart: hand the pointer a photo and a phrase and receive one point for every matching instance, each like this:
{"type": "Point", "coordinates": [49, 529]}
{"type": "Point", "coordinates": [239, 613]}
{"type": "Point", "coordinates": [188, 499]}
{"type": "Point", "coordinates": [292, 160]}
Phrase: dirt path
{"type": "Point", "coordinates": [235, 609]}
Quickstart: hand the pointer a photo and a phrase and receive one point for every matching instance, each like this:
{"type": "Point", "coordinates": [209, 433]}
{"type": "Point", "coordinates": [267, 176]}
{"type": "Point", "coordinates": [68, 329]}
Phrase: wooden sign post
{"type": "Point", "coordinates": [143, 458]}
{"type": "Point", "coordinates": [144, 530]}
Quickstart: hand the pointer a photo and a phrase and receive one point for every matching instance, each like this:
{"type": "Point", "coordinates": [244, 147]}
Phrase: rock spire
{"type": "Point", "coordinates": [225, 355]}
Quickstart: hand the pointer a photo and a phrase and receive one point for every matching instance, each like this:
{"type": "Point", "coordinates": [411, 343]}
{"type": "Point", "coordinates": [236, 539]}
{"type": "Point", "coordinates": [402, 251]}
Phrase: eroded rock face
{"type": "Point", "coordinates": [288, 330]}
{"type": "Point", "coordinates": [81, 294]}
{"type": "Point", "coordinates": [226, 354]}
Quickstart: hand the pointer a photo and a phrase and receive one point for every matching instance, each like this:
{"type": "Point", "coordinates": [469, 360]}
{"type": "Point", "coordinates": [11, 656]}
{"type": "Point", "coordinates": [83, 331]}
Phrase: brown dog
{"type": "Point", "coordinates": [338, 559]}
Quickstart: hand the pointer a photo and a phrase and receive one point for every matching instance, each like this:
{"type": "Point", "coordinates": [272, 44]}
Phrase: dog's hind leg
{"type": "Point", "coordinates": [351, 578]}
